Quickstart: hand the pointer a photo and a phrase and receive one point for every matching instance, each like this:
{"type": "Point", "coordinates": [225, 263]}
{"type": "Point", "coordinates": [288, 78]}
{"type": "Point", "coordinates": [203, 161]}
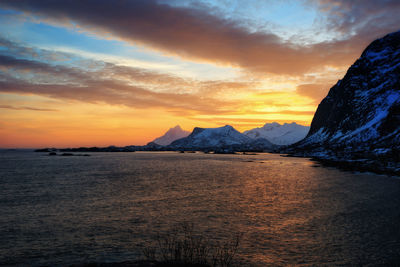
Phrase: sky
{"type": "Point", "coordinates": [99, 72]}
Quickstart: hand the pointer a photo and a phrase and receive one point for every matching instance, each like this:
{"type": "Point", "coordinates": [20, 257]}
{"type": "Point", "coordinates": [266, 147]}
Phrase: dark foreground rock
{"type": "Point", "coordinates": [138, 264]}
{"type": "Point", "coordinates": [118, 264]}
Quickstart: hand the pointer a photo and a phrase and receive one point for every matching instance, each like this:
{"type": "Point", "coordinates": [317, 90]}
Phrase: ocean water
{"type": "Point", "coordinates": [104, 208]}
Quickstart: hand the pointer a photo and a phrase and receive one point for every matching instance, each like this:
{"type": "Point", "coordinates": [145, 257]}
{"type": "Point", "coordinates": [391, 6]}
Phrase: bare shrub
{"type": "Point", "coordinates": [182, 247]}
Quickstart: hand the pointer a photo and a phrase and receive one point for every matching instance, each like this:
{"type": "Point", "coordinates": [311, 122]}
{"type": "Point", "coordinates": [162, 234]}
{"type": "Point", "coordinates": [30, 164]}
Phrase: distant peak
{"type": "Point", "coordinates": [171, 135]}
{"type": "Point", "coordinates": [176, 129]}
{"type": "Point", "coordinates": [197, 130]}
{"type": "Point", "coordinates": [273, 124]}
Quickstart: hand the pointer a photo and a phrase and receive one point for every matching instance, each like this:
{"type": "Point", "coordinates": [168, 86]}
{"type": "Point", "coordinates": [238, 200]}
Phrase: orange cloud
{"type": "Point", "coordinates": [315, 91]}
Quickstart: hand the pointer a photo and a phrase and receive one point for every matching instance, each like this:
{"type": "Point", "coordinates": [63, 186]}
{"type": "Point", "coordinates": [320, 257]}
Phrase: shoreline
{"type": "Point", "coordinates": [353, 165]}
{"type": "Point", "coordinates": [350, 164]}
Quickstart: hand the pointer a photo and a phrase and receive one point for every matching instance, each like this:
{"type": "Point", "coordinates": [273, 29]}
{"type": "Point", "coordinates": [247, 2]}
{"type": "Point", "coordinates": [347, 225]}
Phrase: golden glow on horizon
{"type": "Point", "coordinates": [78, 124]}
{"type": "Point", "coordinates": [36, 121]}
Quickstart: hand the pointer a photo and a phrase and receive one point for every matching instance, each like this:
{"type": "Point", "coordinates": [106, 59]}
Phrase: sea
{"type": "Point", "coordinates": [108, 207]}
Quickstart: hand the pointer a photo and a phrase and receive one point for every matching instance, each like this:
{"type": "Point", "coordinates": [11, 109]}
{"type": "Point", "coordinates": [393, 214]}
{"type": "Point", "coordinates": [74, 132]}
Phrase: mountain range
{"type": "Point", "coordinates": [212, 137]}
{"type": "Point", "coordinates": [274, 133]}
{"type": "Point", "coordinates": [224, 138]}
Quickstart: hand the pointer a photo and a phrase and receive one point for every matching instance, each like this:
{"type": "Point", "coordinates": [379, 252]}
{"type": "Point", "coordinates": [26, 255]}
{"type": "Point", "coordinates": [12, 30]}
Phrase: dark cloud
{"type": "Point", "coordinates": [361, 17]}
{"type": "Point", "coordinates": [26, 108]}
{"type": "Point", "coordinates": [193, 33]}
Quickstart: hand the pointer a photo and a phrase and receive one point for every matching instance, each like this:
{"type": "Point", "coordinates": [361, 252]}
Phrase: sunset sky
{"type": "Point", "coordinates": [99, 73]}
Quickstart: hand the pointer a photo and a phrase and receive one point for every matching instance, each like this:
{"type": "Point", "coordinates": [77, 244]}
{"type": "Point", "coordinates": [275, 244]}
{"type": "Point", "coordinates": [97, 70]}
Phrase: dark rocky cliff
{"type": "Point", "coordinates": [360, 117]}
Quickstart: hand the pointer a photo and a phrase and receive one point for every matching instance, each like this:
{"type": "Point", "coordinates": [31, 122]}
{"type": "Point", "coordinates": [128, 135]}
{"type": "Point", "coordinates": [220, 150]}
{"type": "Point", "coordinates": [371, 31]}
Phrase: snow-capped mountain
{"type": "Point", "coordinates": [360, 117]}
{"type": "Point", "coordinates": [278, 134]}
{"type": "Point", "coordinates": [212, 137]}
{"type": "Point", "coordinates": [222, 137]}
{"type": "Point", "coordinates": [171, 135]}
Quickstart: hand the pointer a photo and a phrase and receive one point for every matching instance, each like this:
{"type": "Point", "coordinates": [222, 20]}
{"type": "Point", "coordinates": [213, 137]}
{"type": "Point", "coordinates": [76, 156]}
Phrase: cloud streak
{"type": "Point", "coordinates": [115, 85]}
{"type": "Point", "coordinates": [195, 34]}
{"type": "Point", "coordinates": [26, 108]}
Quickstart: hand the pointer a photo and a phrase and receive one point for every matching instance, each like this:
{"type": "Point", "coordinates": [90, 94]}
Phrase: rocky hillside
{"type": "Point", "coordinates": [360, 118]}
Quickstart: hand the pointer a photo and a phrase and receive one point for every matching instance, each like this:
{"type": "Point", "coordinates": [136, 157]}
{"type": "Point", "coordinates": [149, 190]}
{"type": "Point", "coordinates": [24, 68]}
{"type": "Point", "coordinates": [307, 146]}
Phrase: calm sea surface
{"type": "Point", "coordinates": [65, 210]}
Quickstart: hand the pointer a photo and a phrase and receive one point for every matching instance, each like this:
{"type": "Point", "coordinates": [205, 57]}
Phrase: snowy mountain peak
{"type": "Point", "coordinates": [272, 124]}
{"type": "Point", "coordinates": [171, 135]}
{"type": "Point", "coordinates": [177, 127]}
{"type": "Point", "coordinates": [227, 127]}
{"type": "Point", "coordinates": [197, 130]}
{"type": "Point", "coordinates": [221, 137]}
{"type": "Point", "coordinates": [285, 134]}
